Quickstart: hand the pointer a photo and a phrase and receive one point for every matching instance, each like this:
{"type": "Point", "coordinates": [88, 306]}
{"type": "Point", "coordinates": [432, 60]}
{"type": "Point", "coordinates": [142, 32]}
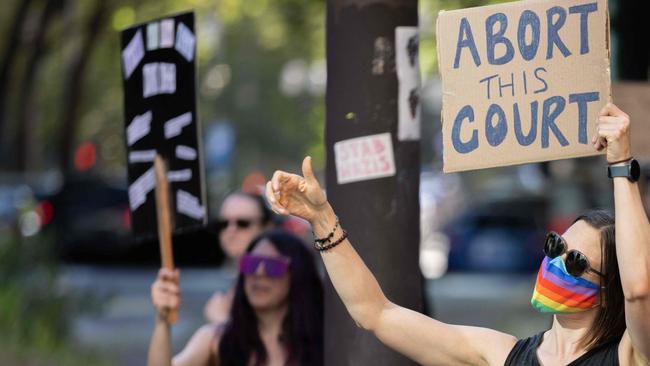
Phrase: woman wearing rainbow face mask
{"type": "Point", "coordinates": [599, 291]}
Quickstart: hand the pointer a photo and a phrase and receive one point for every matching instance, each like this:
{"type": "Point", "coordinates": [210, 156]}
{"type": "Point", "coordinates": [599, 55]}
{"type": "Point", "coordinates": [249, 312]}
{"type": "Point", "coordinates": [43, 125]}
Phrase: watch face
{"type": "Point", "coordinates": [635, 170]}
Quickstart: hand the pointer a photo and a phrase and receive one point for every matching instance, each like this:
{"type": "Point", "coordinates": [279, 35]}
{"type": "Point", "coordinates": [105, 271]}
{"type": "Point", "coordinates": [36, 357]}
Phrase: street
{"type": "Point", "coordinates": [121, 331]}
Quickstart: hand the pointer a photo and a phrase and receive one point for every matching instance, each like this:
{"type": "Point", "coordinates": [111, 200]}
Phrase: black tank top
{"type": "Point", "coordinates": [524, 353]}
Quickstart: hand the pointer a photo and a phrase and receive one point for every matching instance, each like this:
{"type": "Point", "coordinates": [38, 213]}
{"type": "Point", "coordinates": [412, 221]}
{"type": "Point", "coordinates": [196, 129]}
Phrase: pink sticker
{"type": "Point", "coordinates": [364, 158]}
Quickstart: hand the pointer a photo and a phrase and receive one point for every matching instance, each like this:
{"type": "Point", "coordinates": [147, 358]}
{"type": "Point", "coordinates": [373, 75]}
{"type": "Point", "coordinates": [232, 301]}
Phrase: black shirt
{"type": "Point", "coordinates": [524, 353]}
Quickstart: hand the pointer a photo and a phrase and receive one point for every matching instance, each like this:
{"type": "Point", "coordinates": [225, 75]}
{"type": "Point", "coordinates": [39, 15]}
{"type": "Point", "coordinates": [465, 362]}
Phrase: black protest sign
{"type": "Point", "coordinates": [159, 73]}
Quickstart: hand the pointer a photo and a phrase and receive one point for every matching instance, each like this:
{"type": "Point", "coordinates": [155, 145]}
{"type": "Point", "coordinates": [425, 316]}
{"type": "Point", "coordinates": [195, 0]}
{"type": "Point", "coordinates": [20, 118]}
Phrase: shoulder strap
{"type": "Point", "coordinates": [524, 353]}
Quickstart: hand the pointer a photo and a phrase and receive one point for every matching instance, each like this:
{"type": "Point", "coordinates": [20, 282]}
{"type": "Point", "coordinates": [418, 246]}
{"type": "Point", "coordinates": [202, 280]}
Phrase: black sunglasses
{"type": "Point", "coordinates": [576, 262]}
{"type": "Point", "coordinates": [240, 223]}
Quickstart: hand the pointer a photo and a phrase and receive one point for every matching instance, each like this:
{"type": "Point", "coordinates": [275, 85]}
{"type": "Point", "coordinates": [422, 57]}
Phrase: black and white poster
{"type": "Point", "coordinates": [159, 73]}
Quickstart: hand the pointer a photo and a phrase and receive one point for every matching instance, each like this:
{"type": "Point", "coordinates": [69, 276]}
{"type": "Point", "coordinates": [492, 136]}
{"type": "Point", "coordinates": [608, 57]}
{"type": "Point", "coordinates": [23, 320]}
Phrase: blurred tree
{"type": "Point", "coordinates": [10, 51]}
{"type": "Point", "coordinates": [72, 95]}
{"type": "Point", "coordinates": [36, 312]}
{"type": "Point", "coordinates": [25, 117]}
{"type": "Point", "coordinates": [260, 62]}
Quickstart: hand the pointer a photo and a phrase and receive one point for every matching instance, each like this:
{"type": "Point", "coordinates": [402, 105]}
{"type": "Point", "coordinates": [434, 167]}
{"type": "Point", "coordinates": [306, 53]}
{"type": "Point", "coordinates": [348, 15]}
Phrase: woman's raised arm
{"type": "Point", "coordinates": [425, 340]}
{"type": "Point", "coordinates": [632, 231]}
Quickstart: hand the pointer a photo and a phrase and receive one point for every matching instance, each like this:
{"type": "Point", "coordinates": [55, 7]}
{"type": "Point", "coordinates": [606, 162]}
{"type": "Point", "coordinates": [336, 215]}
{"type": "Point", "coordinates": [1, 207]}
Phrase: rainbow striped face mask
{"type": "Point", "coordinates": [557, 292]}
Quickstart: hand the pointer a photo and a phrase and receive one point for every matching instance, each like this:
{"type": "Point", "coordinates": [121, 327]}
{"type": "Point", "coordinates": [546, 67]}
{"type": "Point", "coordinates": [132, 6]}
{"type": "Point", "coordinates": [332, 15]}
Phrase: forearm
{"type": "Point", "coordinates": [632, 239]}
{"type": "Point", "coordinates": [160, 352]}
{"type": "Point", "coordinates": [352, 280]}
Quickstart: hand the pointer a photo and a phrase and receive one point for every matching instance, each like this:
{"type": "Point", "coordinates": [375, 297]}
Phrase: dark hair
{"type": "Point", "coordinates": [265, 211]}
{"type": "Point", "coordinates": [302, 329]}
{"type": "Point", "coordinates": [609, 324]}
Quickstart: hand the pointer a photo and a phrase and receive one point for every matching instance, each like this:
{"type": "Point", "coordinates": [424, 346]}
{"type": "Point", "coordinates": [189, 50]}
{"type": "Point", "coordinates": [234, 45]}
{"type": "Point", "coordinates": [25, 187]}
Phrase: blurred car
{"type": "Point", "coordinates": [89, 219]}
{"type": "Point", "coordinates": [498, 236]}
{"type": "Point", "coordinates": [18, 210]}
{"type": "Point", "coordinates": [91, 222]}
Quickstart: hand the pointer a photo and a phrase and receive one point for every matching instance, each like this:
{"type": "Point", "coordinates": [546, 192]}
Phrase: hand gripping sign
{"type": "Point", "coordinates": [522, 82]}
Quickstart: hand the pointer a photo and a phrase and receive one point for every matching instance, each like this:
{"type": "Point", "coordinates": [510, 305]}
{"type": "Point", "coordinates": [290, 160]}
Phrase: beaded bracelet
{"type": "Point", "coordinates": [328, 238]}
{"type": "Point", "coordinates": [322, 248]}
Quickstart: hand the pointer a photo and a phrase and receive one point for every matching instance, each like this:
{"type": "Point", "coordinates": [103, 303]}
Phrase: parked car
{"type": "Point", "coordinates": [498, 236]}
{"type": "Point", "coordinates": [91, 222]}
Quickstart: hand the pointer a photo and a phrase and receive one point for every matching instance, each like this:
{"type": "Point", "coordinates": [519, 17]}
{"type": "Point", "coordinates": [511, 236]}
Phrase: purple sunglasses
{"type": "Point", "coordinates": [273, 266]}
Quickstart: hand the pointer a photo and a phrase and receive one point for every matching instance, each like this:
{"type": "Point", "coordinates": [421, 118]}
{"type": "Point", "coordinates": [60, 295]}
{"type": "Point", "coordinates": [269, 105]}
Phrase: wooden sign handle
{"type": "Point", "coordinates": [164, 221]}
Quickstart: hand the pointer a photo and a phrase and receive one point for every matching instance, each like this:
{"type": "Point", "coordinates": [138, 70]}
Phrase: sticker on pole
{"type": "Point", "coordinates": [364, 158]}
{"type": "Point", "coordinates": [522, 82]}
{"type": "Point", "coordinates": [408, 79]}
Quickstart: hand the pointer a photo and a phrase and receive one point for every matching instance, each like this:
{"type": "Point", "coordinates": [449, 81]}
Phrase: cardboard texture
{"type": "Point", "coordinates": [634, 99]}
{"type": "Point", "coordinates": [522, 82]}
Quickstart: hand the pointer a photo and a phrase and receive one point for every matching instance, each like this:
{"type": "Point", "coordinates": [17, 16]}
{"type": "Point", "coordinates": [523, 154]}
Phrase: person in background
{"type": "Point", "coordinates": [242, 217]}
{"type": "Point", "coordinates": [276, 318]}
{"type": "Point", "coordinates": [594, 279]}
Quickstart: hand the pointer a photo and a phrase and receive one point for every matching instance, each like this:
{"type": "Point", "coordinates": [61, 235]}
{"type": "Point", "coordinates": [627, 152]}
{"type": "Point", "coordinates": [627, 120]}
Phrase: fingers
{"type": "Point", "coordinates": [612, 125]}
{"type": "Point", "coordinates": [167, 282]}
{"type": "Point", "coordinates": [165, 293]}
{"type": "Point", "coordinates": [275, 180]}
{"type": "Point", "coordinates": [600, 143]}
{"type": "Point", "coordinates": [170, 288]}
{"type": "Point", "coordinates": [619, 122]}
{"type": "Point", "coordinates": [273, 199]}
{"type": "Point", "coordinates": [281, 178]}
{"type": "Point", "coordinates": [610, 119]}
{"type": "Point", "coordinates": [610, 109]}
{"type": "Point", "coordinates": [270, 194]}
{"type": "Point", "coordinates": [307, 171]}
{"type": "Point", "coordinates": [165, 303]}
{"type": "Point", "coordinates": [169, 274]}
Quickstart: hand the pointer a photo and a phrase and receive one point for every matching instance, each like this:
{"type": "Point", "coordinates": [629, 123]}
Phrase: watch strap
{"type": "Point", "coordinates": [618, 171]}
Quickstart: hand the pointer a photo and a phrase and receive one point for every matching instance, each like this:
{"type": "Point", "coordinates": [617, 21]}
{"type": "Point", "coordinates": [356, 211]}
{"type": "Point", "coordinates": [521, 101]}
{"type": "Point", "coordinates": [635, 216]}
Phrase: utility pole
{"type": "Point", "coordinates": [373, 160]}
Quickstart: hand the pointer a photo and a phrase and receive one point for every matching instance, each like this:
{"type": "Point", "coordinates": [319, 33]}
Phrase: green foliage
{"type": "Point", "coordinates": [243, 48]}
{"type": "Point", "coordinates": [245, 45]}
{"type": "Point", "coordinates": [35, 313]}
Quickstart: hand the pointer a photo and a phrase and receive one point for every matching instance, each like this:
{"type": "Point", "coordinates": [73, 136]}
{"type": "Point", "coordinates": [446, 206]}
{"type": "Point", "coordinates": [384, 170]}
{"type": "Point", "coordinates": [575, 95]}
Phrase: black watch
{"type": "Point", "coordinates": [631, 170]}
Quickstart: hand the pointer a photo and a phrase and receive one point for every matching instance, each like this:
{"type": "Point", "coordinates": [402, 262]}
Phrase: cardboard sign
{"type": "Point", "coordinates": [522, 82]}
{"type": "Point", "coordinates": [634, 99]}
{"type": "Point", "coordinates": [160, 118]}
{"type": "Point", "coordinates": [364, 158]}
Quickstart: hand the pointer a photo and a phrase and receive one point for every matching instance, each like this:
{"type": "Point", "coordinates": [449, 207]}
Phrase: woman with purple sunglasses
{"type": "Point", "coordinates": [276, 318]}
{"type": "Point", "coordinates": [242, 217]}
{"type": "Point", "coordinates": [594, 279]}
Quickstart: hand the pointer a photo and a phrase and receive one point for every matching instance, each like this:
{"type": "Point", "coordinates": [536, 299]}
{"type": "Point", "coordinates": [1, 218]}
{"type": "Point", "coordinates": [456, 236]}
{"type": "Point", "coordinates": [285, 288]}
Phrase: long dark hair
{"type": "Point", "coordinates": [302, 329]}
{"type": "Point", "coordinates": [609, 324]}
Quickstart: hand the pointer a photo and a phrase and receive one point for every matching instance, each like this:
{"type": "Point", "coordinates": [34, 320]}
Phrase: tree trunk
{"type": "Point", "coordinates": [10, 51]}
{"type": "Point", "coordinates": [72, 97]}
{"type": "Point", "coordinates": [381, 215]}
{"type": "Point", "coordinates": [27, 93]}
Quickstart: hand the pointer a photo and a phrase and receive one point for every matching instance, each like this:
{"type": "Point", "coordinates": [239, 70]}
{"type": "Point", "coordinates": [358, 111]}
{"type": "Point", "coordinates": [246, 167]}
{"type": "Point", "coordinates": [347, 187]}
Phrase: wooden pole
{"type": "Point", "coordinates": [164, 221]}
